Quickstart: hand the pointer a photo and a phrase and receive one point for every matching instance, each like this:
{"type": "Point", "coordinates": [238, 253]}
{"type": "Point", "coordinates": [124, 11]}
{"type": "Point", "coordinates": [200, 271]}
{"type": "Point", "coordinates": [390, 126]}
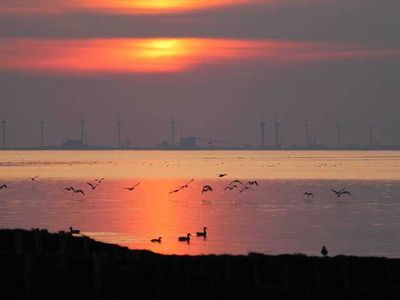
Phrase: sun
{"type": "Point", "coordinates": [163, 48]}
{"type": "Point", "coordinates": [162, 4]}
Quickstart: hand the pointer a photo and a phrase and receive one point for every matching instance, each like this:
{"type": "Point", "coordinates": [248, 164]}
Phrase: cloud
{"type": "Point", "coordinates": [116, 6]}
{"type": "Point", "coordinates": [368, 22]}
{"type": "Point", "coordinates": [168, 55]}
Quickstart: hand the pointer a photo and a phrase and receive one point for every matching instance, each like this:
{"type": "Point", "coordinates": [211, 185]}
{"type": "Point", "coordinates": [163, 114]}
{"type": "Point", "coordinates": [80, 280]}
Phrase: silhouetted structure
{"type": "Point", "coordinates": [173, 131]}
{"type": "Point", "coordinates": [307, 143]}
{"type": "Point", "coordinates": [277, 134]}
{"type": "Point", "coordinates": [189, 141]}
{"type": "Point", "coordinates": [339, 129]}
{"type": "Point", "coordinates": [74, 144]}
{"type": "Point", "coordinates": [83, 123]}
{"type": "Point", "coordinates": [262, 125]}
{"type": "Point", "coordinates": [119, 124]}
{"type": "Point", "coordinates": [371, 135]}
{"type": "Point", "coordinates": [4, 122]}
{"type": "Point", "coordinates": [42, 124]}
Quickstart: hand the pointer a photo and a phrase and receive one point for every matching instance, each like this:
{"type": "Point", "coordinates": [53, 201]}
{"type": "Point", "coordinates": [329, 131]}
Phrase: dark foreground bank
{"type": "Point", "coordinates": [39, 265]}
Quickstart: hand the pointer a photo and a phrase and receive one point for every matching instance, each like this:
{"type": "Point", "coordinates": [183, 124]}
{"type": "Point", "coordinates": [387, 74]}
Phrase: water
{"type": "Point", "coordinates": [274, 218]}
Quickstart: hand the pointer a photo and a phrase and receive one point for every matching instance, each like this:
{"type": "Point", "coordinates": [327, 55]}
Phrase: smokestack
{"type": "Point", "coordinates": [339, 129]}
{"type": "Point", "coordinates": [119, 123]}
{"type": "Point", "coordinates": [83, 122]}
{"type": "Point", "coordinates": [4, 122]}
{"type": "Point", "coordinates": [262, 124]}
{"type": "Point", "coordinates": [371, 135]}
{"type": "Point", "coordinates": [276, 134]}
{"type": "Point", "coordinates": [173, 131]}
{"type": "Point", "coordinates": [42, 123]}
{"type": "Point", "coordinates": [307, 134]}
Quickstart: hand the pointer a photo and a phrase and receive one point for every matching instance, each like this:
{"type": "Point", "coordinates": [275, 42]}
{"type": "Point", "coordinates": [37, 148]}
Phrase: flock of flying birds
{"type": "Point", "coordinates": [235, 184]}
{"type": "Point", "coordinates": [338, 194]}
{"type": "Point", "coordinates": [231, 186]}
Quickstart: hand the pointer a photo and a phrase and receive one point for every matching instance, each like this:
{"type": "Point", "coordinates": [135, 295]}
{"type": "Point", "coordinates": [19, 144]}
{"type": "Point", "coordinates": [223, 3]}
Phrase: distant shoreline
{"type": "Point", "coordinates": [37, 264]}
{"type": "Point", "coordinates": [382, 148]}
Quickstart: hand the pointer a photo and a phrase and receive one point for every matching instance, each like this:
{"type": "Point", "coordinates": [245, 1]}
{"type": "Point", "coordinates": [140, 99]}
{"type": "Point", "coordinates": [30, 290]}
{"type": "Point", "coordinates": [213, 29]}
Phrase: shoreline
{"type": "Point", "coordinates": [38, 264]}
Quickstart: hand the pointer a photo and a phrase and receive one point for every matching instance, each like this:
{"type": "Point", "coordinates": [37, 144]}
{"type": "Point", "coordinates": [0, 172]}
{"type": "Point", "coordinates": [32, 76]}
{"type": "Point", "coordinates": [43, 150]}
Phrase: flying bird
{"type": "Point", "coordinates": [342, 192]}
{"type": "Point", "coordinates": [33, 178]}
{"type": "Point", "coordinates": [337, 193]}
{"type": "Point", "coordinates": [186, 185]}
{"type": "Point", "coordinates": [222, 175]}
{"type": "Point", "coordinates": [93, 186]}
{"type": "Point", "coordinates": [246, 188]}
{"type": "Point", "coordinates": [206, 188]}
{"type": "Point", "coordinates": [308, 194]}
{"type": "Point", "coordinates": [156, 240]}
{"type": "Point", "coordinates": [99, 180]}
{"type": "Point", "coordinates": [229, 187]}
{"type": "Point", "coordinates": [4, 186]}
{"type": "Point", "coordinates": [174, 191]}
{"type": "Point", "coordinates": [236, 181]}
{"type": "Point", "coordinates": [131, 188]}
{"type": "Point", "coordinates": [345, 193]}
{"type": "Point", "coordinates": [69, 188]}
{"type": "Point", "coordinates": [252, 182]}
{"type": "Point", "coordinates": [78, 191]}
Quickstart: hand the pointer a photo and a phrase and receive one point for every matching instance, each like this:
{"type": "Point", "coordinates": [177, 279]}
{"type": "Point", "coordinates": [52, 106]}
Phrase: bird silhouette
{"type": "Point", "coordinates": [4, 186]}
{"type": "Point", "coordinates": [132, 187]}
{"type": "Point", "coordinates": [185, 238]}
{"type": "Point", "coordinates": [229, 187]}
{"type": "Point", "coordinates": [338, 193]}
{"type": "Point", "coordinates": [174, 191]}
{"type": "Point", "coordinates": [202, 233]}
{"type": "Point", "coordinates": [99, 180]}
{"type": "Point", "coordinates": [186, 185]}
{"type": "Point", "coordinates": [93, 186]}
{"type": "Point", "coordinates": [324, 251]}
{"type": "Point", "coordinates": [342, 192]}
{"type": "Point", "coordinates": [252, 182]}
{"type": "Point", "coordinates": [69, 188]}
{"type": "Point", "coordinates": [222, 175]}
{"type": "Point", "coordinates": [79, 191]}
{"type": "Point", "coordinates": [345, 193]}
{"type": "Point", "coordinates": [156, 240]}
{"type": "Point", "coordinates": [245, 188]}
{"type": "Point", "coordinates": [236, 181]}
{"type": "Point", "coordinates": [74, 231]}
{"type": "Point", "coordinates": [308, 194]}
{"type": "Point", "coordinates": [206, 188]}
{"type": "Point", "coordinates": [33, 178]}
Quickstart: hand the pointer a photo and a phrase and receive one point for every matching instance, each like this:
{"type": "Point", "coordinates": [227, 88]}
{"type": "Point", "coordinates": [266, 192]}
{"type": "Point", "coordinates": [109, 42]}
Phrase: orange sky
{"type": "Point", "coordinates": [164, 55]}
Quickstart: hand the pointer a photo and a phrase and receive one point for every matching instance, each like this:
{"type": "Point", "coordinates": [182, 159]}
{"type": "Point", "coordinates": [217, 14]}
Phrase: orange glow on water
{"type": "Point", "coordinates": [274, 218]}
{"type": "Point", "coordinates": [166, 55]}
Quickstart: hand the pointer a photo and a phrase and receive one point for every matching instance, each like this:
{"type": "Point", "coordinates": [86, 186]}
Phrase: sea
{"type": "Point", "coordinates": [270, 202]}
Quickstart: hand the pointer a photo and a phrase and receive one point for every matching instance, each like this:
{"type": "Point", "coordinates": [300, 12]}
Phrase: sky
{"type": "Point", "coordinates": [220, 67]}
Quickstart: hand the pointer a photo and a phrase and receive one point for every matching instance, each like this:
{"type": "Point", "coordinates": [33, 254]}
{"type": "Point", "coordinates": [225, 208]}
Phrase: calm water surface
{"type": "Point", "coordinates": [272, 218]}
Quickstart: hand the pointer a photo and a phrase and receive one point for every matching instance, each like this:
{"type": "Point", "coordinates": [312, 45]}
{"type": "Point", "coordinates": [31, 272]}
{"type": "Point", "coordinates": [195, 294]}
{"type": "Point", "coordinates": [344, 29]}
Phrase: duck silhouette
{"type": "Point", "coordinates": [202, 233]}
{"type": "Point", "coordinates": [324, 251]}
{"type": "Point", "coordinates": [185, 238]}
